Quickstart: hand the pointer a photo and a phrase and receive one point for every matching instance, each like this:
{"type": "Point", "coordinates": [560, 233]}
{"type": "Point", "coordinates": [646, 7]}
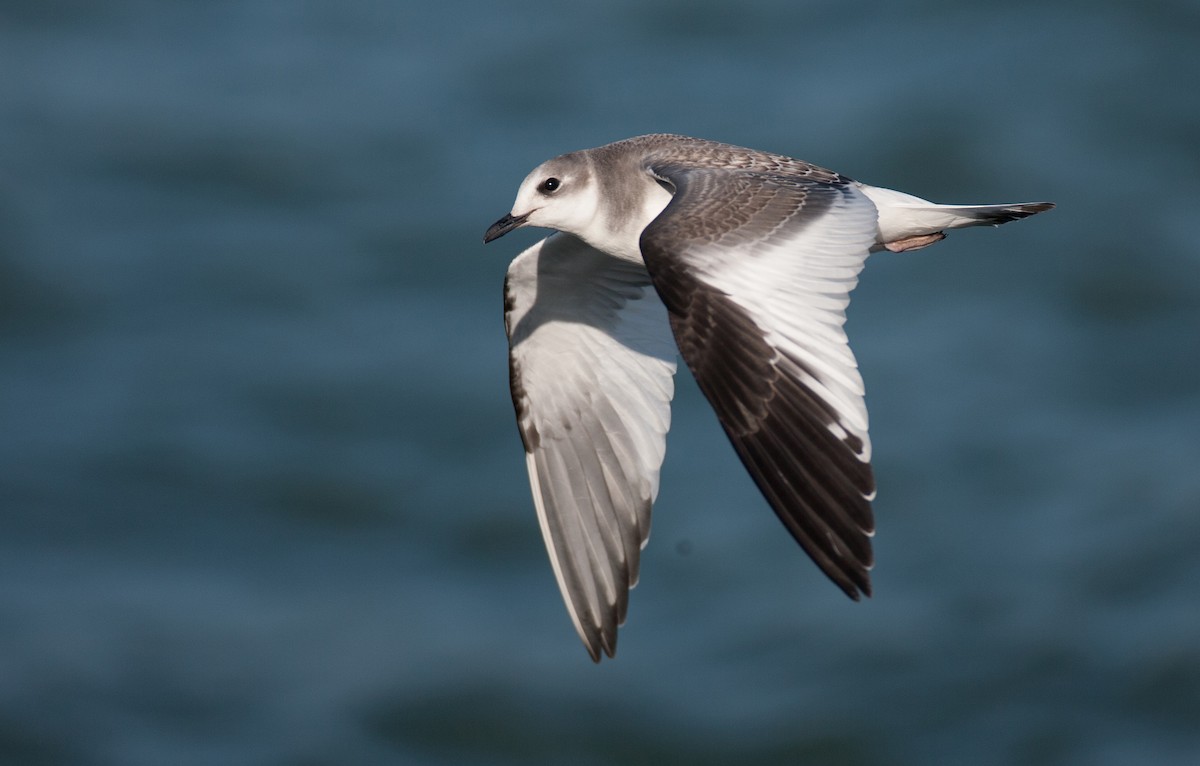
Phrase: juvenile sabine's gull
{"type": "Point", "coordinates": [740, 261]}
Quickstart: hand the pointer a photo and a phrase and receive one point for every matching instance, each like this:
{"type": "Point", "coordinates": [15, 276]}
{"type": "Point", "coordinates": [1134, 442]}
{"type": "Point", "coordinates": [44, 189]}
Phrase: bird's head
{"type": "Point", "coordinates": [559, 194]}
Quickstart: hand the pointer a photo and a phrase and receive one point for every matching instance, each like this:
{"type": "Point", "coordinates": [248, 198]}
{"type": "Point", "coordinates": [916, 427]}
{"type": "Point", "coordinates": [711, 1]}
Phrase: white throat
{"type": "Point", "coordinates": [620, 238]}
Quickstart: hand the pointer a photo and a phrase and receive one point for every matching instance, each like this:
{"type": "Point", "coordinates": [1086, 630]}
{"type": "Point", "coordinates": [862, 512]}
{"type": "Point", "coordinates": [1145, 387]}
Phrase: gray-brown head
{"type": "Point", "coordinates": [559, 194]}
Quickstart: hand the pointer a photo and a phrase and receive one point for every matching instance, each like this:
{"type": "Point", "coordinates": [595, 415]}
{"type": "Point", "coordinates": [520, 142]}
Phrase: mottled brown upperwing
{"type": "Point", "coordinates": [779, 427]}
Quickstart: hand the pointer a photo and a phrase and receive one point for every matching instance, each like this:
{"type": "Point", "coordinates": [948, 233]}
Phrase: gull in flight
{"type": "Point", "coordinates": [741, 262]}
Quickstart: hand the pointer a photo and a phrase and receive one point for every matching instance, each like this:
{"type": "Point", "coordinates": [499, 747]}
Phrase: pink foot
{"type": "Point", "coordinates": [914, 243]}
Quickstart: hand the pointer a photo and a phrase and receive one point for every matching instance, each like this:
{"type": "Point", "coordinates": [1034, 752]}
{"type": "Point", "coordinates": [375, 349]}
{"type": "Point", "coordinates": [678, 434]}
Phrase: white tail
{"type": "Point", "coordinates": [909, 223]}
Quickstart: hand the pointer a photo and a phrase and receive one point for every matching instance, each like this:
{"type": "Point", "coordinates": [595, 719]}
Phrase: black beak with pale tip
{"type": "Point", "coordinates": [504, 226]}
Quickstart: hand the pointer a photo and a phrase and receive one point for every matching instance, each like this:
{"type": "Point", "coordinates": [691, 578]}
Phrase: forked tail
{"type": "Point", "coordinates": [910, 223]}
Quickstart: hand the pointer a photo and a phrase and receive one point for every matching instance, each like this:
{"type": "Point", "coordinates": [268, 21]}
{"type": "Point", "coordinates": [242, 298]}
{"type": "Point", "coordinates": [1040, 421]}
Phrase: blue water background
{"type": "Point", "coordinates": [262, 500]}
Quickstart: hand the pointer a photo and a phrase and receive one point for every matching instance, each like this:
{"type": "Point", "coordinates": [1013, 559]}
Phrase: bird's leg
{"type": "Point", "coordinates": [914, 243]}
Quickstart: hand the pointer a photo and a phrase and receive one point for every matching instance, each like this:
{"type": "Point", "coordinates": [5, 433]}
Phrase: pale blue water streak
{"type": "Point", "coordinates": [262, 499]}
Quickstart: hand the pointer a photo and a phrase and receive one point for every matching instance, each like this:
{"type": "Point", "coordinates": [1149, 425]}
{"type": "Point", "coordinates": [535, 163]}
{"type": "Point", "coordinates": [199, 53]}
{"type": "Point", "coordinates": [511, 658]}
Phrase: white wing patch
{"type": "Point", "coordinates": [797, 290]}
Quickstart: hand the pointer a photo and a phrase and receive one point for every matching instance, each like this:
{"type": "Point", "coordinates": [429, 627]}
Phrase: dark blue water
{"type": "Point", "coordinates": [263, 501]}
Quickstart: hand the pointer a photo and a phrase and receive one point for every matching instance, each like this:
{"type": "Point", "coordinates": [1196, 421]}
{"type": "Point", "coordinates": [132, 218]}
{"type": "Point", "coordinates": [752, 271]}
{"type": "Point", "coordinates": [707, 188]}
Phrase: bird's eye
{"type": "Point", "coordinates": [549, 185]}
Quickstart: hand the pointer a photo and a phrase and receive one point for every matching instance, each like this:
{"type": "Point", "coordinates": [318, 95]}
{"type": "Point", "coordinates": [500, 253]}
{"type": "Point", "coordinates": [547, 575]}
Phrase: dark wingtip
{"type": "Point", "coordinates": [855, 585]}
{"type": "Point", "coordinates": [599, 650]}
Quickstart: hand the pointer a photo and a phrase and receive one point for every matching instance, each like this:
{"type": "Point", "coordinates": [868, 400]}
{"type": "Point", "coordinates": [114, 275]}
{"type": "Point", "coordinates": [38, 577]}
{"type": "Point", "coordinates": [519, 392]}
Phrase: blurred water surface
{"type": "Point", "coordinates": [262, 500]}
